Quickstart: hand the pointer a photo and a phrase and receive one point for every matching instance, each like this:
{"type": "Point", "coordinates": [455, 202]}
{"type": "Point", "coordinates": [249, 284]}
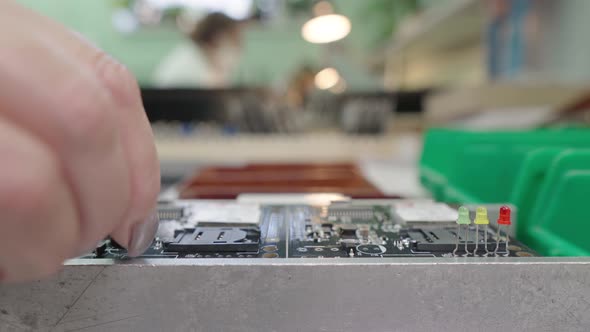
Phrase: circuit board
{"type": "Point", "coordinates": [347, 230]}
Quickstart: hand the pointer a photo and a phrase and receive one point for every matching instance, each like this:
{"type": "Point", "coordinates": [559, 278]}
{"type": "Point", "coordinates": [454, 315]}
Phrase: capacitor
{"type": "Point", "coordinates": [364, 232]}
{"type": "Point", "coordinates": [504, 219]}
{"type": "Point", "coordinates": [481, 218]}
{"type": "Point", "coordinates": [463, 219]}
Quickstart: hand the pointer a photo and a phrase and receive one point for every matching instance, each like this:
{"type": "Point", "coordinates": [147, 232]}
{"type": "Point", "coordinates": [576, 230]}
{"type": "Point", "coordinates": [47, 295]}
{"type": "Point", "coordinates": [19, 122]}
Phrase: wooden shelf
{"type": "Point", "coordinates": [441, 27]}
{"type": "Point", "coordinates": [440, 46]}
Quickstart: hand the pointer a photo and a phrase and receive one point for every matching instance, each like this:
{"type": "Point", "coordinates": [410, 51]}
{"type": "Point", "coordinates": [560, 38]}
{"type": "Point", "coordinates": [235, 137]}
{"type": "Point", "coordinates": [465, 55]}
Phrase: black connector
{"type": "Point", "coordinates": [216, 239]}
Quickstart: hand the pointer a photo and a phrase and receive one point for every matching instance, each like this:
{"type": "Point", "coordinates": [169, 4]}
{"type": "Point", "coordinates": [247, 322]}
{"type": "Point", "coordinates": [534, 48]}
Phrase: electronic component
{"type": "Point", "coordinates": [348, 231]}
{"type": "Point", "coordinates": [327, 226]}
{"type": "Point", "coordinates": [349, 247]}
{"type": "Point", "coordinates": [503, 220]}
{"type": "Point", "coordinates": [420, 213]}
{"type": "Point", "coordinates": [170, 213]}
{"type": "Point", "coordinates": [101, 248]}
{"type": "Point", "coordinates": [346, 213]}
{"type": "Point", "coordinates": [364, 231]}
{"type": "Point", "coordinates": [357, 229]}
{"type": "Point", "coordinates": [481, 218]}
{"type": "Point", "coordinates": [216, 239]}
{"type": "Point", "coordinates": [441, 240]}
{"type": "Point", "coordinates": [462, 219]}
{"type": "Point", "coordinates": [371, 249]}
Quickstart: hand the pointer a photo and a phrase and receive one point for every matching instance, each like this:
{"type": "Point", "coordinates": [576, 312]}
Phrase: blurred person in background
{"type": "Point", "coordinates": [207, 59]}
{"type": "Point", "coordinates": [300, 86]}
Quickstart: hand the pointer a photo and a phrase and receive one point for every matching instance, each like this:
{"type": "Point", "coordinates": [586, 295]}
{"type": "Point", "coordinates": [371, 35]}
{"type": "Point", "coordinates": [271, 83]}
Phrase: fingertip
{"type": "Point", "coordinates": [138, 236]}
{"type": "Point", "coordinates": [143, 235]}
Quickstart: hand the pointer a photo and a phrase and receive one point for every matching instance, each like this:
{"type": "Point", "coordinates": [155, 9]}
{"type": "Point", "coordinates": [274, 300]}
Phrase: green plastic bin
{"type": "Point", "coordinates": [542, 172]}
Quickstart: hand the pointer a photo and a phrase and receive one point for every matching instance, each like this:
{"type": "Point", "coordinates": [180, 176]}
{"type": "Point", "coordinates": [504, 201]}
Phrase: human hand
{"type": "Point", "coordinates": [77, 157]}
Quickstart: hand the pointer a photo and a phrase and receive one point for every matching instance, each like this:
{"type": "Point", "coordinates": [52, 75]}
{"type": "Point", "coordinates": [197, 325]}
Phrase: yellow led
{"type": "Point", "coordinates": [481, 216]}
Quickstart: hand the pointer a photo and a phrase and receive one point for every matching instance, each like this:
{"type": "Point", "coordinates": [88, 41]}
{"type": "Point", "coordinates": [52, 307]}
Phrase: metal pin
{"type": "Point", "coordinates": [485, 241]}
{"type": "Point", "coordinates": [476, 239]}
{"type": "Point", "coordinates": [481, 218]}
{"type": "Point", "coordinates": [466, 241]}
{"type": "Point", "coordinates": [457, 240]}
{"type": "Point", "coordinates": [498, 235]}
{"type": "Point", "coordinates": [503, 219]}
{"type": "Point", "coordinates": [507, 239]}
{"type": "Point", "coordinates": [463, 219]}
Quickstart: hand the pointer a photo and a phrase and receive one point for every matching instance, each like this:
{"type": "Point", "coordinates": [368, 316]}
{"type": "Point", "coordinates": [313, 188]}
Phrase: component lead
{"type": "Point", "coordinates": [463, 219]}
{"type": "Point", "coordinates": [481, 218]}
{"type": "Point", "coordinates": [503, 219]}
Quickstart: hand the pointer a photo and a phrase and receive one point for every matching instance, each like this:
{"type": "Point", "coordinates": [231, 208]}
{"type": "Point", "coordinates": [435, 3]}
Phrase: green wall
{"type": "Point", "coordinates": [272, 51]}
{"type": "Point", "coordinates": [92, 18]}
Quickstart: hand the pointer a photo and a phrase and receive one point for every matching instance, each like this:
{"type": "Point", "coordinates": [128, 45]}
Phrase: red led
{"type": "Point", "coordinates": [504, 218]}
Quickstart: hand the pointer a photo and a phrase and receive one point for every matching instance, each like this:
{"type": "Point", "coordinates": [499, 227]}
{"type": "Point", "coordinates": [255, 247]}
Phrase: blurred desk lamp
{"type": "Point", "coordinates": [326, 26]}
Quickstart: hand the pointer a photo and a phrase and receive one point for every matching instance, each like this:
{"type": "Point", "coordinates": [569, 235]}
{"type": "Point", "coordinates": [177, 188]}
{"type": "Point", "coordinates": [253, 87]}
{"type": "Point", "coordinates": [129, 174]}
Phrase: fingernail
{"type": "Point", "coordinates": [142, 236]}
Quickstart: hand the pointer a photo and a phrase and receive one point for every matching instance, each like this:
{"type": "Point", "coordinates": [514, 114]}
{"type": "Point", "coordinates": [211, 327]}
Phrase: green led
{"type": "Point", "coordinates": [463, 216]}
{"type": "Point", "coordinates": [481, 216]}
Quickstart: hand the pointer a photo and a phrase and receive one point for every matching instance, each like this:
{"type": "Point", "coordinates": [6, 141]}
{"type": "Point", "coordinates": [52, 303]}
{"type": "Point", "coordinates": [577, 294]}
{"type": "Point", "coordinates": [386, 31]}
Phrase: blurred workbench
{"type": "Point", "coordinates": [388, 161]}
{"type": "Point", "coordinates": [530, 293]}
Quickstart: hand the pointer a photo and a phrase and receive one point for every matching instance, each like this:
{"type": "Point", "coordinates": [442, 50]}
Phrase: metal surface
{"type": "Point", "coordinates": [454, 294]}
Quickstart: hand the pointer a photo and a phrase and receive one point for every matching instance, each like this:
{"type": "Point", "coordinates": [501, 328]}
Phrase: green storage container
{"type": "Point", "coordinates": [529, 180]}
{"type": "Point", "coordinates": [559, 222]}
{"type": "Point", "coordinates": [525, 168]}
